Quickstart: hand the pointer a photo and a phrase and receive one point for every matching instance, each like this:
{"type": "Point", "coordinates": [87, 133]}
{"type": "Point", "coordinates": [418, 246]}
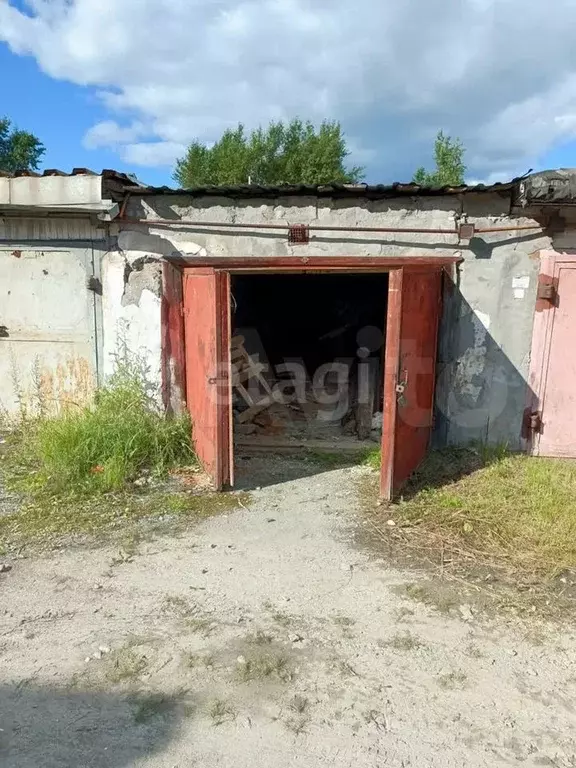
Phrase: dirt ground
{"type": "Point", "coordinates": [269, 637]}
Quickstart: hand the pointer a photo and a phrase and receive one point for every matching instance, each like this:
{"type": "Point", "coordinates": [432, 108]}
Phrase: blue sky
{"type": "Point", "coordinates": [32, 100]}
{"type": "Point", "coordinates": [127, 85]}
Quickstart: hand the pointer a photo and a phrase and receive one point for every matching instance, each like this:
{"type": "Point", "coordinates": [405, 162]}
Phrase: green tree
{"type": "Point", "coordinates": [283, 153]}
{"type": "Point", "coordinates": [19, 150]}
{"type": "Point", "coordinates": [450, 168]}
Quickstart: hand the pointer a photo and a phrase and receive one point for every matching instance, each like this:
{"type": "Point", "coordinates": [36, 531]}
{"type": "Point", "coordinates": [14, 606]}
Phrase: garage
{"type": "Point", "coordinates": [370, 326]}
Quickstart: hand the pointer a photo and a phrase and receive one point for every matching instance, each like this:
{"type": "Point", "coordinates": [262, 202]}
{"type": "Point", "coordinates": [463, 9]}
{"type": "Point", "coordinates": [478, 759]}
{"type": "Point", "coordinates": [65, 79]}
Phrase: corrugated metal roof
{"type": "Point", "coordinates": [115, 183]}
{"type": "Point", "coordinates": [396, 189]}
{"type": "Point", "coordinates": [106, 174]}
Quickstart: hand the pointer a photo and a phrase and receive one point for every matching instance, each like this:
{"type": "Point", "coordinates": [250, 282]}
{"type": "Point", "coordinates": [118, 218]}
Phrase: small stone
{"type": "Point", "coordinates": [380, 503]}
{"type": "Point", "coordinates": [258, 488]}
{"type": "Point", "coordinates": [295, 638]}
{"type": "Point", "coordinates": [271, 520]}
{"type": "Point", "coordinates": [513, 652]}
{"type": "Point", "coordinates": [97, 655]}
{"type": "Point", "coordinates": [4, 567]}
{"type": "Point", "coordinates": [390, 522]}
{"type": "Point", "coordinates": [87, 659]}
{"type": "Point", "coordinates": [466, 612]}
{"type": "Point", "coordinates": [104, 649]}
{"type": "Point", "coordinates": [98, 586]}
{"type": "Point", "coordinates": [213, 546]}
{"type": "Point", "coordinates": [241, 660]}
{"type": "Point", "coordinates": [204, 570]}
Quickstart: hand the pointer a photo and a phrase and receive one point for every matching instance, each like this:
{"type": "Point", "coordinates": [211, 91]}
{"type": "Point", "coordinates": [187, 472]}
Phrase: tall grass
{"type": "Point", "coordinates": [518, 509]}
{"type": "Point", "coordinates": [107, 445]}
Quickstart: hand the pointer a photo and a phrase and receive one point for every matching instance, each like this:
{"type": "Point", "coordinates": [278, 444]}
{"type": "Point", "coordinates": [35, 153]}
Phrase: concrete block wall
{"type": "Point", "coordinates": [488, 311]}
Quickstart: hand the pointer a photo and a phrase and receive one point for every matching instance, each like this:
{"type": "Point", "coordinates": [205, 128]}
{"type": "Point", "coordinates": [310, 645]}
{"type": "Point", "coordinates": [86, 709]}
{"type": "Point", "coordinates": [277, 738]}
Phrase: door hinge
{"type": "Point", "coordinates": [547, 292]}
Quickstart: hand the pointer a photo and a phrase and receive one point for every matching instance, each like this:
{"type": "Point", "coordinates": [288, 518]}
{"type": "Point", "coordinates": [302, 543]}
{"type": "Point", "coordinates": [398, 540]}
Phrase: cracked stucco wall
{"type": "Point", "coordinates": [132, 305]}
{"type": "Point", "coordinates": [132, 287]}
{"type": "Point", "coordinates": [486, 331]}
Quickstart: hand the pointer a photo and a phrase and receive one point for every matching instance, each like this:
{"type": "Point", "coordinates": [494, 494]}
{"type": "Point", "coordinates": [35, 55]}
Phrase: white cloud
{"type": "Point", "coordinates": [152, 152]}
{"type": "Point", "coordinates": [110, 135]}
{"type": "Point", "coordinates": [501, 74]}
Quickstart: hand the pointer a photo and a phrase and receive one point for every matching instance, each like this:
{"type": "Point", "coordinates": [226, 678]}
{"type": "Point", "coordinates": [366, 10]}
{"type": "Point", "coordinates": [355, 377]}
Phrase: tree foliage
{"type": "Point", "coordinates": [19, 150]}
{"type": "Point", "coordinates": [283, 153]}
{"type": "Point", "coordinates": [450, 168]}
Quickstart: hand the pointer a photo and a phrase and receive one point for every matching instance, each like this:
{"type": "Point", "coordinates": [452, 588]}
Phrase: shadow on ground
{"type": "Point", "coordinates": [444, 466]}
{"type": "Point", "coordinates": [270, 469]}
{"type": "Point", "coordinates": [54, 728]}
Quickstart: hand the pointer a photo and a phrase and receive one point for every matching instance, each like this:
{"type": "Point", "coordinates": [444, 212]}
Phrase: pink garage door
{"type": "Point", "coordinates": [553, 374]}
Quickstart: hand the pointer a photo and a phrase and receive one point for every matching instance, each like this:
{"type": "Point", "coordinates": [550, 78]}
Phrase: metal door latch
{"type": "Point", "coordinates": [401, 388]}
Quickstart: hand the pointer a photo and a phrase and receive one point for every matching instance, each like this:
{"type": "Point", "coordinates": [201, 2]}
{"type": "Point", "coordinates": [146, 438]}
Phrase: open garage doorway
{"type": "Point", "coordinates": [307, 354]}
{"type": "Point", "coordinates": [340, 340]}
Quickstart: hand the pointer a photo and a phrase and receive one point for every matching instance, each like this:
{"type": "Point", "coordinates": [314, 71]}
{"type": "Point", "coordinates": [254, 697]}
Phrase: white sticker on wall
{"type": "Point", "coordinates": [522, 281]}
{"type": "Point", "coordinates": [519, 293]}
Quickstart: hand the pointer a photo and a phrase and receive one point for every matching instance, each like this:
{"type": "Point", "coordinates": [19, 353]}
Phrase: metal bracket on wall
{"type": "Point", "coordinates": [533, 424]}
{"type": "Point", "coordinates": [95, 285]}
{"type": "Point", "coordinates": [547, 292]}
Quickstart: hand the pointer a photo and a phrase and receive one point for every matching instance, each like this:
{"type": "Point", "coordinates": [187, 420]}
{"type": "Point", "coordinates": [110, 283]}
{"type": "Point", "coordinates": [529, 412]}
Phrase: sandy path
{"type": "Point", "coordinates": [271, 622]}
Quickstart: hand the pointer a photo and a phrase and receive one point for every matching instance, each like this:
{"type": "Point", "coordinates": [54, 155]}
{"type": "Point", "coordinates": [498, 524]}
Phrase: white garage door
{"type": "Point", "coordinates": [47, 328]}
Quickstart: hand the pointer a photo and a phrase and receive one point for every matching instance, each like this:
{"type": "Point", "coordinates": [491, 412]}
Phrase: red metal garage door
{"type": "Point", "coordinates": [207, 333]}
{"type": "Point", "coordinates": [413, 314]}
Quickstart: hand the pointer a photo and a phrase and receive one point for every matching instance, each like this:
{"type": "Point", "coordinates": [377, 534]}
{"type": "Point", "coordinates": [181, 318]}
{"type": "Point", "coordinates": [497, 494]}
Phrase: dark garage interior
{"type": "Point", "coordinates": [307, 357]}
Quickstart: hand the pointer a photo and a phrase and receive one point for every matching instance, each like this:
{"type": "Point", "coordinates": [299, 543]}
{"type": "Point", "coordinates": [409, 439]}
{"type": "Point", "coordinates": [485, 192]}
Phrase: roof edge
{"type": "Point", "coordinates": [372, 191]}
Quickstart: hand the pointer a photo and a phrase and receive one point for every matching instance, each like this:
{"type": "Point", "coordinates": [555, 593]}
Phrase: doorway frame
{"type": "Point", "coordinates": [394, 267]}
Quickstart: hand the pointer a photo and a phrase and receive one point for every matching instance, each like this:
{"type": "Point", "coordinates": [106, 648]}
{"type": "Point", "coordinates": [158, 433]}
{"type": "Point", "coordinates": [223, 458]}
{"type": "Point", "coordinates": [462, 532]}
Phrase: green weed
{"type": "Point", "coordinates": [492, 507]}
{"type": "Point", "coordinates": [146, 707]}
{"type": "Point", "coordinates": [265, 666]}
{"type": "Point", "coordinates": [122, 437]}
{"type": "Point", "coordinates": [404, 641]}
{"type": "Point", "coordinates": [221, 712]}
{"type": "Point", "coordinates": [373, 458]}
{"type": "Point", "coordinates": [452, 680]}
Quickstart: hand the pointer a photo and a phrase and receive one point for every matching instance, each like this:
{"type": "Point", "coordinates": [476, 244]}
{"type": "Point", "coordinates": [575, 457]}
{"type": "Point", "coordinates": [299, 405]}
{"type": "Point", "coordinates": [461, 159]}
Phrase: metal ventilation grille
{"type": "Point", "coordinates": [298, 234]}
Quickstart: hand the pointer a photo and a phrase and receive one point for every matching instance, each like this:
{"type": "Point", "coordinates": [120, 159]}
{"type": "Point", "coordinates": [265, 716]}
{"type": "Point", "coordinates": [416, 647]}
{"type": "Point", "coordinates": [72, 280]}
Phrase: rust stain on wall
{"type": "Point", "coordinates": [70, 384]}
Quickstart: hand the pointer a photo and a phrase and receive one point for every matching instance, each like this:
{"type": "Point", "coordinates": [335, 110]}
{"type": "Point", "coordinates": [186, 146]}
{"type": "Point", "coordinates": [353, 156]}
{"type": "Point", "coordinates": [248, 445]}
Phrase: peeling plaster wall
{"type": "Point", "coordinates": [485, 339]}
{"type": "Point", "coordinates": [131, 302]}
